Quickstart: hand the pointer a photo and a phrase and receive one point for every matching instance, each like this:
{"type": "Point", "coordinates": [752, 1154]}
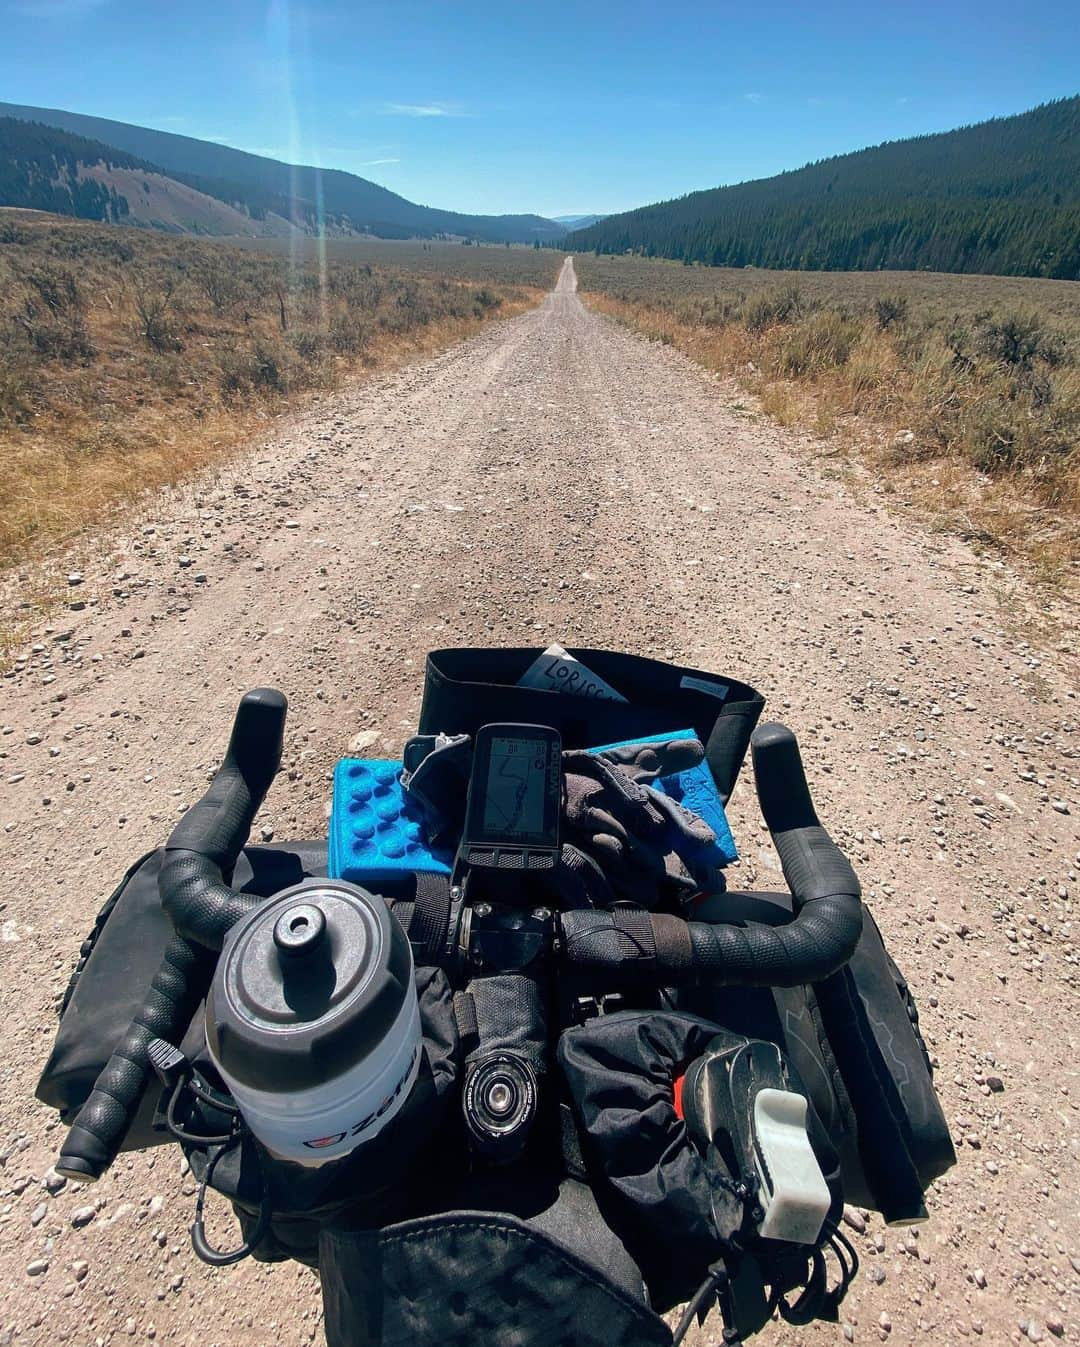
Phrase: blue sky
{"type": "Point", "coordinates": [558, 109]}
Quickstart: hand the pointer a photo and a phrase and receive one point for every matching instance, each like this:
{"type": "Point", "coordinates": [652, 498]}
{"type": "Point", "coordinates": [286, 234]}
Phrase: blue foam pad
{"type": "Point", "coordinates": [376, 831]}
{"type": "Point", "coordinates": [696, 790]}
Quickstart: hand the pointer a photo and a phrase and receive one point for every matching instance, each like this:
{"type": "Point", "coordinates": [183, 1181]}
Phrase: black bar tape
{"type": "Point", "coordinates": [97, 1133]}
{"type": "Point", "coordinates": [674, 949]}
{"type": "Point", "coordinates": [200, 854]}
{"type": "Point", "coordinates": [199, 857]}
{"type": "Point", "coordinates": [217, 826]}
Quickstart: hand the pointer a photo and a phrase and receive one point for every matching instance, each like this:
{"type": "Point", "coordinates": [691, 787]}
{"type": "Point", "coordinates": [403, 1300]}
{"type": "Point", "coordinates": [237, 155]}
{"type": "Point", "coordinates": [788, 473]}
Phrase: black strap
{"type": "Point", "coordinates": [674, 952]}
{"type": "Point", "coordinates": [465, 1018]}
{"type": "Point", "coordinates": [430, 918]}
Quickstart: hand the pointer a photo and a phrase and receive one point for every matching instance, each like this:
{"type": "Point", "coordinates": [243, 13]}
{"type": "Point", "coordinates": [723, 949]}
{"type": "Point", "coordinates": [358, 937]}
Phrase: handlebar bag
{"type": "Point", "coordinates": [676, 1211]}
{"type": "Point", "coordinates": [854, 1040]}
{"type": "Point", "coordinates": [467, 687]}
{"type": "Point", "coordinates": [467, 1277]}
{"type": "Point", "coordinates": [117, 962]}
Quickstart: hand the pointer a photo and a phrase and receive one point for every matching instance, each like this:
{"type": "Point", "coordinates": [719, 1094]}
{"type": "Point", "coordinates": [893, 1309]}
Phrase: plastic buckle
{"type": "Point", "coordinates": [591, 1007]}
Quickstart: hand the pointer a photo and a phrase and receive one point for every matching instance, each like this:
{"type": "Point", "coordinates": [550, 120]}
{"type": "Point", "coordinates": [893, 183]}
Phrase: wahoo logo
{"type": "Point", "coordinates": [320, 1142]}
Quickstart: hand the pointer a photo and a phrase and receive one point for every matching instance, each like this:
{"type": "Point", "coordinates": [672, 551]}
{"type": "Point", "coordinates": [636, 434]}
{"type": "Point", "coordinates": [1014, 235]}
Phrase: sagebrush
{"type": "Point", "coordinates": [974, 378]}
{"type": "Point", "coordinates": [128, 358]}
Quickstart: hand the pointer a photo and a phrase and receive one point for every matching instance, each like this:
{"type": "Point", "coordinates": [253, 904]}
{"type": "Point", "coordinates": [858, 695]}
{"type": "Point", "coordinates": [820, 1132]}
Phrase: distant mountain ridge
{"type": "Point", "coordinates": [299, 195]}
{"type": "Point", "coordinates": [999, 197]}
{"type": "Point", "coordinates": [577, 221]}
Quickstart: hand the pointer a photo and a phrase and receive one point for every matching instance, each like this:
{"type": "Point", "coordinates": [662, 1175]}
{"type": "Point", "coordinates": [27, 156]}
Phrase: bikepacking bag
{"type": "Point", "coordinates": [117, 961]}
{"type": "Point", "coordinates": [465, 688]}
{"type": "Point", "coordinates": [548, 1273]}
{"type": "Point", "coordinates": [397, 1175]}
{"type": "Point", "coordinates": [678, 1206]}
{"type": "Point", "coordinates": [854, 1041]}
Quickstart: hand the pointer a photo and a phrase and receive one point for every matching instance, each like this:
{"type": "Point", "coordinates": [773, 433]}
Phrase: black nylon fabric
{"type": "Point", "coordinates": [117, 964]}
{"type": "Point", "coordinates": [465, 688]}
{"type": "Point", "coordinates": [466, 1278]}
{"type": "Point", "coordinates": [510, 1017]}
{"type": "Point", "coordinates": [661, 1196]}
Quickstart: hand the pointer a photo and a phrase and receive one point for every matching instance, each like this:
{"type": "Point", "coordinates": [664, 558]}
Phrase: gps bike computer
{"type": "Point", "coordinates": [515, 799]}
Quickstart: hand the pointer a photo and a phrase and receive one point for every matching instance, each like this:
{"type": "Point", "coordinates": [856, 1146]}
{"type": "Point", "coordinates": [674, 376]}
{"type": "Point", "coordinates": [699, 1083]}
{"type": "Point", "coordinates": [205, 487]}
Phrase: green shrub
{"type": "Point", "coordinates": [153, 321]}
{"type": "Point", "coordinates": [52, 317]}
{"type": "Point", "coordinates": [890, 310]}
{"type": "Point", "coordinates": [16, 390]}
{"type": "Point", "coordinates": [772, 308]}
{"type": "Point", "coordinates": [350, 332]}
{"type": "Point", "coordinates": [1019, 340]}
{"type": "Point", "coordinates": [820, 342]}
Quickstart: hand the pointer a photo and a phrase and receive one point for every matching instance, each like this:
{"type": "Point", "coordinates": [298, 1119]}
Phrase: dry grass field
{"type": "Point", "coordinates": [962, 391]}
{"type": "Point", "coordinates": [129, 358]}
{"type": "Point", "coordinates": [493, 263]}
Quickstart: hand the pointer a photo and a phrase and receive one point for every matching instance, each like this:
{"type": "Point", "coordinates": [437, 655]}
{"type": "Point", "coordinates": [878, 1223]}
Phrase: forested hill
{"type": "Point", "coordinates": [41, 169]}
{"type": "Point", "coordinates": [304, 194]}
{"type": "Point", "coordinates": [1002, 197]}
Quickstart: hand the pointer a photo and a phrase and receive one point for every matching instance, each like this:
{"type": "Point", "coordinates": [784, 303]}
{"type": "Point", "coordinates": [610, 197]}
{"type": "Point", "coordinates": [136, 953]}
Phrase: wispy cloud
{"type": "Point", "coordinates": [371, 163]}
{"type": "Point", "coordinates": [421, 110]}
{"type": "Point", "coordinates": [58, 9]}
{"type": "Point", "coordinates": [753, 98]}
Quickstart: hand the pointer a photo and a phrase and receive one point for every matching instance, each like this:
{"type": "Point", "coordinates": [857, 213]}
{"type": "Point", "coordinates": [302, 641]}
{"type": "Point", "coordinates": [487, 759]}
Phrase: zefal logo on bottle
{"type": "Point", "coordinates": [321, 1143]}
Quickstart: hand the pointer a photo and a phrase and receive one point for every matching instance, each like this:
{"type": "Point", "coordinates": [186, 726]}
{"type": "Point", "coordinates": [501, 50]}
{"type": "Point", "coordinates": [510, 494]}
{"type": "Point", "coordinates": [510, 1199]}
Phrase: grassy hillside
{"type": "Point", "coordinates": [303, 194]}
{"type": "Point", "coordinates": [1002, 198]}
{"type": "Point", "coordinates": [128, 358]}
{"type": "Point", "coordinates": [42, 168]}
{"type": "Point", "coordinates": [961, 393]}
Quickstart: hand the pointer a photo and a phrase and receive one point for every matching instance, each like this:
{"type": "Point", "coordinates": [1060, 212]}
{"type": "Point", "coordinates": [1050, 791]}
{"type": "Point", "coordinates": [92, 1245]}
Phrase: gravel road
{"type": "Point", "coordinates": [556, 478]}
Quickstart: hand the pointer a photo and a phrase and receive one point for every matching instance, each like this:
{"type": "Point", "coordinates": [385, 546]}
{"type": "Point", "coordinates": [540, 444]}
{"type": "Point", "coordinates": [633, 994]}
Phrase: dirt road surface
{"type": "Point", "coordinates": [556, 478]}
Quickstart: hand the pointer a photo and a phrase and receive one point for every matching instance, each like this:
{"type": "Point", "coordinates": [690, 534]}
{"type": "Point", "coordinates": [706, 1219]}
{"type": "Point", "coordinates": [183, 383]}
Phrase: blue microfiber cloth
{"type": "Point", "coordinates": [695, 790]}
{"type": "Point", "coordinates": [376, 831]}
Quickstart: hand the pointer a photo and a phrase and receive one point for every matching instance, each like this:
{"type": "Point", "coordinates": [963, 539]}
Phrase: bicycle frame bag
{"type": "Point", "coordinates": [465, 688]}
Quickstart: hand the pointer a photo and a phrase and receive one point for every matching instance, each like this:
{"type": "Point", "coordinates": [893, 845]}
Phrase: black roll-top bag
{"type": "Point", "coordinates": [854, 1041]}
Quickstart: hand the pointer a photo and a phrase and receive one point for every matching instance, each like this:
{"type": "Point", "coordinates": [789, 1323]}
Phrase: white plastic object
{"type": "Point", "coordinates": [794, 1195]}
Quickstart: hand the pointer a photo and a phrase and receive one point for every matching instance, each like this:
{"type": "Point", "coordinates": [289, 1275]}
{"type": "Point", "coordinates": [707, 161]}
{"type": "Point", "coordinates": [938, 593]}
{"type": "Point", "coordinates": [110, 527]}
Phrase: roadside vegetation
{"type": "Point", "coordinates": [495, 263]}
{"type": "Point", "coordinates": [963, 391]}
{"type": "Point", "coordinates": [129, 359]}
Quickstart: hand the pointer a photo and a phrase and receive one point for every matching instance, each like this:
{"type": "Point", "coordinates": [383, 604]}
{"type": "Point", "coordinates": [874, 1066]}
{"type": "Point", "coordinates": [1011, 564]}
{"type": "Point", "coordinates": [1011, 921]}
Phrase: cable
{"type": "Point", "coordinates": [710, 1290]}
{"type": "Point", "coordinates": [202, 1246]}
